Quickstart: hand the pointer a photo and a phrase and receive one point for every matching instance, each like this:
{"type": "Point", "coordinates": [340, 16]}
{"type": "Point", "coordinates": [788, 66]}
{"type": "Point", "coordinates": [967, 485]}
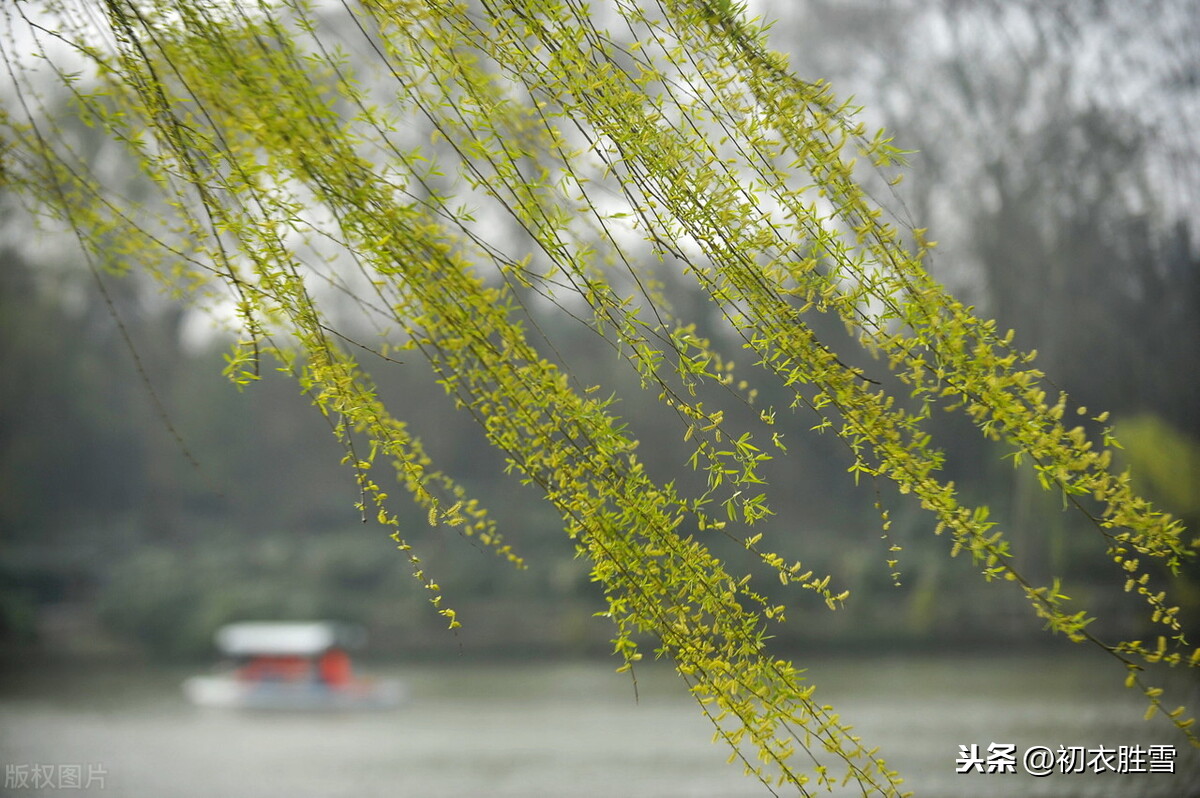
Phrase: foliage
{"type": "Point", "coordinates": [173, 598]}
{"type": "Point", "coordinates": [620, 146]}
{"type": "Point", "coordinates": [1166, 462]}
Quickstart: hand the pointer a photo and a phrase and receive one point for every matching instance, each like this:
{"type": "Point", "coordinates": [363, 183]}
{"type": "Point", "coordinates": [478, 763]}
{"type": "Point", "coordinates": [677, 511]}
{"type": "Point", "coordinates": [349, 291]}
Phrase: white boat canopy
{"type": "Point", "coordinates": [305, 639]}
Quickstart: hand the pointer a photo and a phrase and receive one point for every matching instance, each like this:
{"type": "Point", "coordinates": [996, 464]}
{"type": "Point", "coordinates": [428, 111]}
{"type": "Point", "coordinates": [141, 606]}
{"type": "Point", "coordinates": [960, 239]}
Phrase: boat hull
{"type": "Point", "coordinates": [230, 692]}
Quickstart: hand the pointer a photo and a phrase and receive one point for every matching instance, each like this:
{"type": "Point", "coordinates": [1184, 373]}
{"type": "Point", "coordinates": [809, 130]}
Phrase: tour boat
{"type": "Point", "coordinates": [290, 666]}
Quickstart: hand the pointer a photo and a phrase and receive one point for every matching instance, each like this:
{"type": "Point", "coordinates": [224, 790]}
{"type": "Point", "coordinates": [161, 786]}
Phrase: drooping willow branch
{"type": "Point", "coordinates": [670, 133]}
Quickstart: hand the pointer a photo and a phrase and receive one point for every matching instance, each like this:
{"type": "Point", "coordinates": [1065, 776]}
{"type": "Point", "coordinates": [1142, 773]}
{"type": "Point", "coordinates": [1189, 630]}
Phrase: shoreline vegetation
{"type": "Point", "coordinates": [504, 630]}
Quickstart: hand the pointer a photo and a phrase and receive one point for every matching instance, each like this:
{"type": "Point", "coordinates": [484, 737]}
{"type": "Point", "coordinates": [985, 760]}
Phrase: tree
{"type": "Point", "coordinates": [1044, 168]}
{"type": "Point", "coordinates": [679, 144]}
{"type": "Point", "coordinates": [1061, 187]}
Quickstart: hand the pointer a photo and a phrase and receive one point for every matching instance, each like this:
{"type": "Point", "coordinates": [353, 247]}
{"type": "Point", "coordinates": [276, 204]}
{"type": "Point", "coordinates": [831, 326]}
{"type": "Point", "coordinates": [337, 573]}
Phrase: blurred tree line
{"type": "Point", "coordinates": [1064, 205]}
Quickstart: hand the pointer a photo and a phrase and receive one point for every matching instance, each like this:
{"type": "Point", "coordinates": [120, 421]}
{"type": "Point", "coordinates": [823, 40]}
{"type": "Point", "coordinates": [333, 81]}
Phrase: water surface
{"type": "Point", "coordinates": [555, 730]}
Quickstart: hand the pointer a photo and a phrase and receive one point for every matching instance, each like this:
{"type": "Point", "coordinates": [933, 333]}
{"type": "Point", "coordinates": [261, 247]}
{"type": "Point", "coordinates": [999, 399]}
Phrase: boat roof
{"type": "Point", "coordinates": [297, 638]}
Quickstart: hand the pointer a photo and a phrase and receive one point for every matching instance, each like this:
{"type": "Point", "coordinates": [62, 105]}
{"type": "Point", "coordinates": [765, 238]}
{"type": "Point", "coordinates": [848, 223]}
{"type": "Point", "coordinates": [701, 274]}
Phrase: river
{"type": "Point", "coordinates": [469, 730]}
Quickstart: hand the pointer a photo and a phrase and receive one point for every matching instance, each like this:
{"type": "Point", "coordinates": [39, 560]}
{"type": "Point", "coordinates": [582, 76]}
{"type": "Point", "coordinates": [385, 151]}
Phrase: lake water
{"type": "Point", "coordinates": [562, 730]}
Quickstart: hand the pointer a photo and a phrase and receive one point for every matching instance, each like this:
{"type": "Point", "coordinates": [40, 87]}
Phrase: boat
{"type": "Point", "coordinates": [297, 666]}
